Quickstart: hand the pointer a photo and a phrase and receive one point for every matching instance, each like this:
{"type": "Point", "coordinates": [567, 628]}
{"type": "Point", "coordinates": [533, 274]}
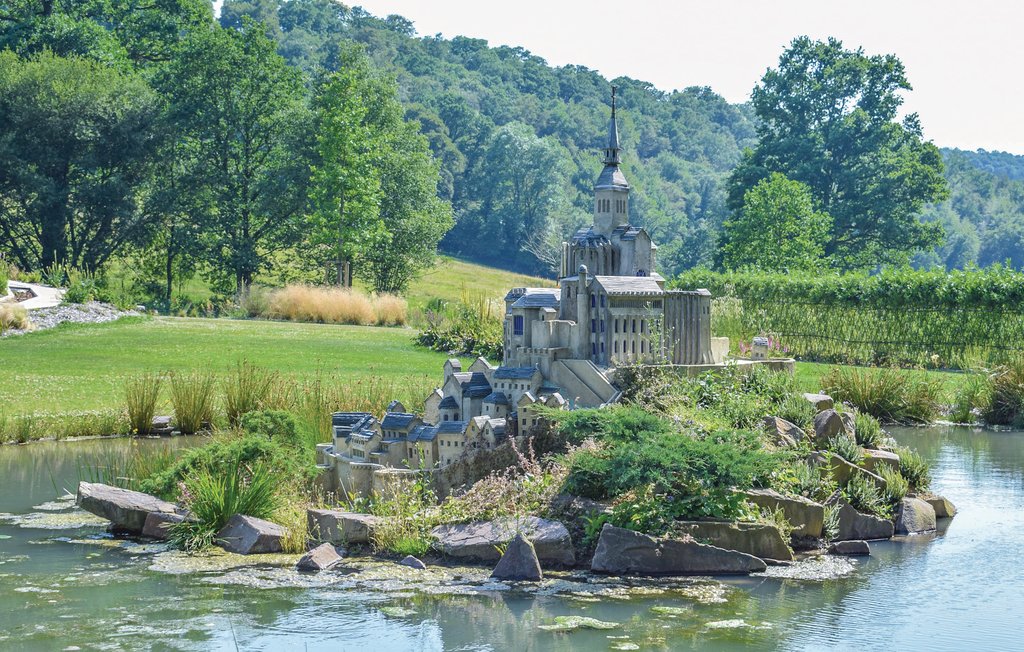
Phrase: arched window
{"type": "Point", "coordinates": [641, 272]}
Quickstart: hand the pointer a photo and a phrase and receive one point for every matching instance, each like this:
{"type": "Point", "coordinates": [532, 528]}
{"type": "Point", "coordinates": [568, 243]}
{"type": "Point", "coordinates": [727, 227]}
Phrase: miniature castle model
{"type": "Point", "coordinates": [561, 347]}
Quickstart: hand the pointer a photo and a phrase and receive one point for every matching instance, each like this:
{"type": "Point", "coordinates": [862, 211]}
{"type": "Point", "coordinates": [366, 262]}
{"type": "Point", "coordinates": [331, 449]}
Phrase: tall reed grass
{"type": "Point", "coordinates": [192, 396]}
{"type": "Point", "coordinates": [327, 305]}
{"type": "Point", "coordinates": [31, 427]}
{"type": "Point", "coordinates": [13, 317]}
{"type": "Point", "coordinates": [141, 394]}
{"type": "Point", "coordinates": [247, 390]}
{"type": "Point", "coordinates": [889, 394]}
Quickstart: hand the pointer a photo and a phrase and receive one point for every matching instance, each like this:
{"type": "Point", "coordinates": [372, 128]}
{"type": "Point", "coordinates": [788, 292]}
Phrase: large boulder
{"type": "Point", "coordinates": [914, 516]}
{"type": "Point", "coordinates": [828, 425]}
{"type": "Point", "coordinates": [158, 525]}
{"type": "Point", "coordinates": [783, 432]}
{"type": "Point", "coordinates": [873, 459]}
{"type": "Point", "coordinates": [323, 557]}
{"type": "Point", "coordinates": [247, 535]}
{"type": "Point", "coordinates": [339, 527]}
{"type": "Point", "coordinates": [479, 541]}
{"type": "Point", "coordinates": [125, 509]}
{"type": "Point", "coordinates": [624, 552]}
{"type": "Point", "coordinates": [519, 562]}
{"type": "Point", "coordinates": [853, 525]}
{"type": "Point", "coordinates": [806, 516]}
{"type": "Point", "coordinates": [820, 402]}
{"type": "Point", "coordinates": [758, 539]}
{"type": "Point", "coordinates": [943, 508]}
{"type": "Point", "coordinates": [850, 548]}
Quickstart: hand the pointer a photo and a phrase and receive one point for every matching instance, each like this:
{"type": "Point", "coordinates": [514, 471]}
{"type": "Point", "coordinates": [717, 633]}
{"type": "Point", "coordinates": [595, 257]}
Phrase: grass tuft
{"type": "Point", "coordinates": [192, 395]}
{"type": "Point", "coordinates": [246, 390]}
{"type": "Point", "coordinates": [889, 394]}
{"type": "Point", "coordinates": [141, 395]}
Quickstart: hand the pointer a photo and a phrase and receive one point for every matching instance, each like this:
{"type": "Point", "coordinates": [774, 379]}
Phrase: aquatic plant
{"type": "Point", "coordinates": [246, 389]}
{"type": "Point", "coordinates": [192, 396]}
{"type": "Point", "coordinates": [141, 394]}
{"type": "Point", "coordinates": [973, 397]}
{"type": "Point", "coordinates": [890, 394]}
{"type": "Point", "coordinates": [1006, 395]}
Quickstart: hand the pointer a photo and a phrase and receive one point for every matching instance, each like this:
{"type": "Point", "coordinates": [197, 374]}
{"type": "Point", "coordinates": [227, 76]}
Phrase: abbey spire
{"type": "Point", "coordinates": [611, 152]}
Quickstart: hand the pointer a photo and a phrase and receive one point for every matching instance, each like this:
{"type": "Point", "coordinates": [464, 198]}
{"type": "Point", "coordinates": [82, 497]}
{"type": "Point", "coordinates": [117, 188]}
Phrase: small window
{"type": "Point", "coordinates": [634, 346]}
{"type": "Point", "coordinates": [517, 325]}
{"type": "Point", "coordinates": [634, 325]}
{"type": "Point", "coordinates": [602, 347]}
{"type": "Point", "coordinates": [642, 342]}
{"type": "Point", "coordinates": [593, 349]}
{"type": "Point", "coordinates": [593, 325]}
{"type": "Point", "coordinates": [642, 326]}
{"type": "Point", "coordinates": [602, 325]}
{"type": "Point", "coordinates": [616, 346]}
{"type": "Point", "coordinates": [602, 301]}
{"type": "Point", "coordinates": [593, 301]}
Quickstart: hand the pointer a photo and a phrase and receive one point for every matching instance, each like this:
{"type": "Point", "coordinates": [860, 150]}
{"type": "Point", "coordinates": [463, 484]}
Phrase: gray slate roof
{"type": "Point", "coordinates": [397, 420]}
{"type": "Point", "coordinates": [514, 373]}
{"type": "Point", "coordinates": [423, 433]}
{"type": "Point", "coordinates": [629, 285]}
{"type": "Point", "coordinates": [474, 384]}
{"type": "Point", "coordinates": [498, 398]}
{"type": "Point", "coordinates": [539, 298]}
{"type": "Point", "coordinates": [588, 237]}
{"type": "Point", "coordinates": [611, 177]}
{"type": "Point", "coordinates": [449, 403]}
{"type": "Point", "coordinates": [451, 427]}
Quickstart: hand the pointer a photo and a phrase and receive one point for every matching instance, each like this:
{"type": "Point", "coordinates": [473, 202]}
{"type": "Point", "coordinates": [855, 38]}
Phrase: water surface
{"type": "Point", "coordinates": [64, 583]}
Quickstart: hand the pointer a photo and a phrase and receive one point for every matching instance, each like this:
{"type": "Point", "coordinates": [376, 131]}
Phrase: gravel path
{"type": "Point", "coordinates": [93, 312]}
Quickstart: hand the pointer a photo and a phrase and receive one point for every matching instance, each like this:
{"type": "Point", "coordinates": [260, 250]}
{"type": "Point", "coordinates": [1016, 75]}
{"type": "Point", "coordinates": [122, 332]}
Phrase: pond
{"type": "Point", "coordinates": [64, 584]}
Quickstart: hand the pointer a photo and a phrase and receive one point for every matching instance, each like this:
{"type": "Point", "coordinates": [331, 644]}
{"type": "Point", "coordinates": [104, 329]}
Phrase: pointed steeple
{"type": "Point", "coordinates": [611, 152]}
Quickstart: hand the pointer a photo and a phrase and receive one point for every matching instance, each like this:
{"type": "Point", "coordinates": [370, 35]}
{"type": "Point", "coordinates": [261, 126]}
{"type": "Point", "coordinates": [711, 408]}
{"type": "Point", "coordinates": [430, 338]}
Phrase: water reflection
{"type": "Point", "coordinates": [958, 588]}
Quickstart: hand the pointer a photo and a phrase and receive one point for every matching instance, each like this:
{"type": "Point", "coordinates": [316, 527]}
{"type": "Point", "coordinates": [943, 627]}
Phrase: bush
{"type": "Point", "coordinates": [804, 479]}
{"type": "Point", "coordinates": [797, 410]}
{"type": "Point", "coordinates": [867, 430]}
{"type": "Point", "coordinates": [973, 398]}
{"type": "Point", "coordinates": [246, 390]}
{"type": "Point", "coordinates": [915, 469]}
{"type": "Point", "coordinates": [893, 395]}
{"type": "Point", "coordinates": [141, 395]}
{"type": "Point", "coordinates": [13, 317]}
{"type": "Point", "coordinates": [192, 396]}
{"type": "Point", "coordinates": [896, 486]}
{"type": "Point", "coordinates": [1006, 395]}
{"type": "Point", "coordinates": [845, 447]}
{"type": "Point", "coordinates": [408, 514]}
{"type": "Point", "coordinates": [864, 496]}
{"type": "Point", "coordinates": [470, 327]}
{"type": "Point", "coordinates": [213, 498]}
{"type": "Point", "coordinates": [83, 287]}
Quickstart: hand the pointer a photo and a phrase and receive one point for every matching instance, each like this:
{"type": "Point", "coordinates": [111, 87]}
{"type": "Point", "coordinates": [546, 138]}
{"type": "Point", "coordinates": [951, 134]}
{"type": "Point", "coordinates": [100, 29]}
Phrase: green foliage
{"type": "Point", "coordinates": [777, 229]}
{"type": "Point", "coordinates": [1006, 395]}
{"type": "Point", "coordinates": [830, 528]}
{"type": "Point", "coordinates": [213, 498]}
{"type": "Point", "coordinates": [141, 394]}
{"type": "Point", "coordinates": [890, 394]}
{"type": "Point", "coordinates": [845, 447]}
{"type": "Point", "coordinates": [278, 425]}
{"type": "Point", "coordinates": [868, 431]}
{"type": "Point", "coordinates": [803, 479]}
{"type": "Point", "coordinates": [192, 396]}
{"type": "Point", "coordinates": [915, 469]}
{"type": "Point", "coordinates": [466, 327]}
{"type": "Point", "coordinates": [899, 316]}
{"type": "Point", "coordinates": [973, 398]}
{"type": "Point", "coordinates": [797, 410]}
{"type": "Point", "coordinates": [896, 486]}
{"type": "Point", "coordinates": [246, 390]}
{"type": "Point", "coordinates": [828, 118]}
{"type": "Point", "coordinates": [864, 496]}
{"type": "Point", "coordinates": [408, 514]}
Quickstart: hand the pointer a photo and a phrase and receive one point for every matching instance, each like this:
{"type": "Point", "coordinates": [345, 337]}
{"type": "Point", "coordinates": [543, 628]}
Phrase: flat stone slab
{"type": "Point", "coordinates": [340, 527]}
{"type": "Point", "coordinates": [323, 557]}
{"type": "Point", "coordinates": [758, 539]}
{"type": "Point", "coordinates": [480, 540]}
{"type": "Point", "coordinates": [854, 525]}
{"type": "Point", "coordinates": [519, 563]}
{"type": "Point", "coordinates": [158, 525]}
{"type": "Point", "coordinates": [247, 535]}
{"type": "Point", "coordinates": [850, 548]}
{"type": "Point", "coordinates": [624, 552]}
{"type": "Point", "coordinates": [806, 516]}
{"type": "Point", "coordinates": [125, 509]}
{"type": "Point", "coordinates": [873, 459]}
{"type": "Point", "coordinates": [819, 401]}
{"type": "Point", "coordinates": [914, 517]}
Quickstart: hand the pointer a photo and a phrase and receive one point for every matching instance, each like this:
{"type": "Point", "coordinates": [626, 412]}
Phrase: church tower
{"type": "Point", "coordinates": [611, 192]}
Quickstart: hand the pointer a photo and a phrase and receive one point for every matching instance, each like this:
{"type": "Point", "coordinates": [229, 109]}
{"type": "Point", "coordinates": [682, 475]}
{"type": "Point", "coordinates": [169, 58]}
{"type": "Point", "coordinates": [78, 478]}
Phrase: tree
{"type": "Point", "coordinates": [828, 118]}
{"type": "Point", "coordinates": [77, 151]}
{"type": "Point", "coordinates": [777, 229]}
{"type": "Point", "coordinates": [241, 115]}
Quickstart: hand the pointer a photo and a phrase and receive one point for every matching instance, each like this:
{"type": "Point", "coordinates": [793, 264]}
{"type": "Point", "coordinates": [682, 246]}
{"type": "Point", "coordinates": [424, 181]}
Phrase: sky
{"type": "Point", "coordinates": [963, 58]}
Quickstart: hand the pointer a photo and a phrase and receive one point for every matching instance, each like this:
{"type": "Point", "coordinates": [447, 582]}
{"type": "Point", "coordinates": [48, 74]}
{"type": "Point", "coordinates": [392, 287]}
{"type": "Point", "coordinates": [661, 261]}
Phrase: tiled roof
{"type": "Point", "coordinates": [539, 298]}
{"type": "Point", "coordinates": [588, 237]}
{"type": "Point", "coordinates": [627, 232]}
{"type": "Point", "coordinates": [629, 285]}
{"type": "Point", "coordinates": [611, 177]}
{"type": "Point", "coordinates": [515, 373]}
{"type": "Point", "coordinates": [423, 433]}
{"type": "Point", "coordinates": [451, 427]}
{"type": "Point", "coordinates": [474, 384]}
{"type": "Point", "coordinates": [498, 398]}
{"type": "Point", "coordinates": [397, 420]}
{"type": "Point", "coordinates": [348, 419]}
{"type": "Point", "coordinates": [449, 403]}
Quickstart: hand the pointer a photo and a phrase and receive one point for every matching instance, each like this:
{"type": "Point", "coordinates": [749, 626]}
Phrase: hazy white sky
{"type": "Point", "coordinates": [964, 58]}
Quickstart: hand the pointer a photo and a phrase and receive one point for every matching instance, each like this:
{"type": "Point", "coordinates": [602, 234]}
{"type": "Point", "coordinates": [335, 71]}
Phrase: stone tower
{"type": "Point", "coordinates": [611, 192]}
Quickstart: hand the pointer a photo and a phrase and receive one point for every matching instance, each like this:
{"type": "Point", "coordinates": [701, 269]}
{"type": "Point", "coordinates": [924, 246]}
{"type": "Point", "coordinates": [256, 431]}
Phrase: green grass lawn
{"type": "Point", "coordinates": [83, 367]}
{"type": "Point", "coordinates": [808, 375]}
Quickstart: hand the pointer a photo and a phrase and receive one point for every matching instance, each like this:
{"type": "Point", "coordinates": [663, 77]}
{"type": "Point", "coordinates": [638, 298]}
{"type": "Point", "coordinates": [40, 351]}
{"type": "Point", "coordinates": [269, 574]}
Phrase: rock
{"type": "Point", "coordinates": [758, 539]}
{"type": "Point", "coordinates": [340, 527]}
{"type": "Point", "coordinates": [849, 424]}
{"type": "Point", "coordinates": [827, 425]}
{"type": "Point", "coordinates": [247, 535]}
{"type": "Point", "coordinates": [158, 525]}
{"type": "Point", "coordinates": [842, 471]}
{"type": "Point", "coordinates": [519, 563]}
{"type": "Point", "coordinates": [125, 509]}
{"type": "Point", "coordinates": [161, 425]}
{"type": "Point", "coordinates": [479, 540]}
{"type": "Point", "coordinates": [820, 402]}
{"type": "Point", "coordinates": [806, 516]}
{"type": "Point", "coordinates": [850, 548]}
{"type": "Point", "coordinates": [875, 458]}
{"type": "Point", "coordinates": [412, 562]}
{"type": "Point", "coordinates": [914, 516]}
{"type": "Point", "coordinates": [624, 552]}
{"type": "Point", "coordinates": [943, 508]}
{"type": "Point", "coordinates": [323, 557]}
{"type": "Point", "coordinates": [783, 432]}
{"type": "Point", "coordinates": [853, 525]}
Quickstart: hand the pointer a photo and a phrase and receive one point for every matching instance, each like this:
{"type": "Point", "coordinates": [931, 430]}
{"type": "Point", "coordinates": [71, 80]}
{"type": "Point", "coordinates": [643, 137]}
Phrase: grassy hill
{"type": "Point", "coordinates": [457, 280]}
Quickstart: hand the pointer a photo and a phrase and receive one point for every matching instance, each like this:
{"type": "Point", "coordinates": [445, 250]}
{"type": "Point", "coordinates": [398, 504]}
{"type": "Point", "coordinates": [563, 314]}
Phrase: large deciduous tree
{"type": "Point", "coordinates": [777, 229]}
{"type": "Point", "coordinates": [828, 117]}
{"type": "Point", "coordinates": [78, 144]}
{"type": "Point", "coordinates": [241, 115]}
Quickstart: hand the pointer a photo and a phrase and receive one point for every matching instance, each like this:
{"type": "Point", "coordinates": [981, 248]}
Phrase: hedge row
{"type": "Point", "coordinates": [905, 317]}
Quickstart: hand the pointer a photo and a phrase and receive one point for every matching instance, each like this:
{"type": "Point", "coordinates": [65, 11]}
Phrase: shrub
{"type": "Point", "coordinates": [864, 496]}
{"type": "Point", "coordinates": [246, 390]}
{"type": "Point", "coordinates": [141, 395]}
{"type": "Point", "coordinates": [307, 303]}
{"type": "Point", "coordinates": [390, 310]}
{"type": "Point", "coordinates": [13, 317]}
{"type": "Point", "coordinates": [973, 397]}
{"type": "Point", "coordinates": [889, 394]}
{"type": "Point", "coordinates": [804, 479]}
{"type": "Point", "coordinates": [192, 396]}
{"type": "Point", "coordinates": [830, 528]}
{"type": "Point", "coordinates": [915, 469]}
{"type": "Point", "coordinates": [1006, 395]}
{"type": "Point", "coordinates": [868, 431]}
{"type": "Point", "coordinates": [408, 514]}
{"type": "Point", "coordinates": [213, 498]}
{"type": "Point", "coordinates": [83, 287]}
{"type": "Point", "coordinates": [470, 326]}
{"type": "Point", "coordinates": [797, 410]}
{"type": "Point", "coordinates": [845, 447]}
{"type": "Point", "coordinates": [127, 467]}
{"type": "Point", "coordinates": [896, 486]}
{"type": "Point", "coordinates": [255, 302]}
